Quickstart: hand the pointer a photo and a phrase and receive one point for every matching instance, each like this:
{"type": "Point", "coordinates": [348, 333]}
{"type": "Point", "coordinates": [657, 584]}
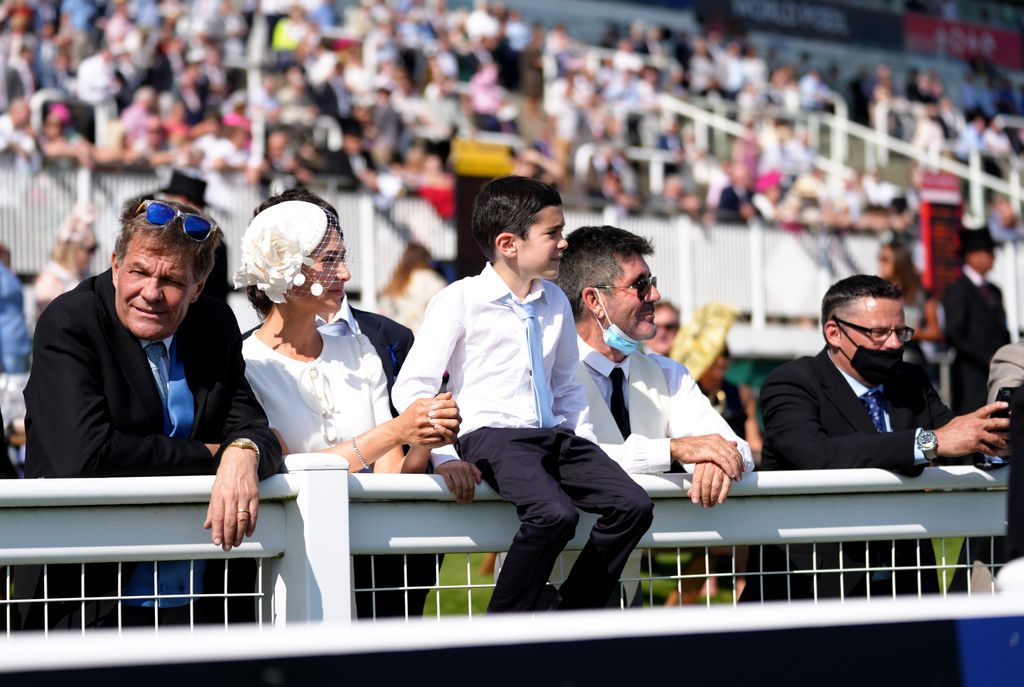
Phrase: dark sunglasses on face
{"type": "Point", "coordinates": [643, 286]}
{"type": "Point", "coordinates": [196, 227]}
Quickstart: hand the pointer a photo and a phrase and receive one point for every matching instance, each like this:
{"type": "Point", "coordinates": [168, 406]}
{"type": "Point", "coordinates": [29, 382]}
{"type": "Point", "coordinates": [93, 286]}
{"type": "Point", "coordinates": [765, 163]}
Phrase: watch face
{"type": "Point", "coordinates": [927, 440]}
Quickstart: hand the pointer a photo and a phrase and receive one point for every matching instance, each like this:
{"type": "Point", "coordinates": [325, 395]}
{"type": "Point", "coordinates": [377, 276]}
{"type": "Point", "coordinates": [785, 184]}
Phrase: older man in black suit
{"type": "Point", "coordinates": [135, 373]}
{"type": "Point", "coordinates": [858, 405]}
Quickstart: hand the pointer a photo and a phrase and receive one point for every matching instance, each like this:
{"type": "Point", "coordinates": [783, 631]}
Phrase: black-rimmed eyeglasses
{"type": "Point", "coordinates": [643, 286]}
{"type": "Point", "coordinates": [196, 227]}
{"type": "Point", "coordinates": [879, 335]}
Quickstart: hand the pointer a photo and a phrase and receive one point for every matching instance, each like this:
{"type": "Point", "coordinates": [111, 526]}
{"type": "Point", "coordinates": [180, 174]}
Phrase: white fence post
{"type": "Point", "coordinates": [313, 581]}
{"type": "Point", "coordinates": [368, 249]}
{"type": "Point", "coordinates": [881, 134]}
{"type": "Point", "coordinates": [687, 267]}
{"type": "Point", "coordinates": [758, 318]}
{"type": "Point", "coordinates": [976, 192]}
{"type": "Point", "coordinates": [83, 184]}
{"type": "Point", "coordinates": [1011, 287]}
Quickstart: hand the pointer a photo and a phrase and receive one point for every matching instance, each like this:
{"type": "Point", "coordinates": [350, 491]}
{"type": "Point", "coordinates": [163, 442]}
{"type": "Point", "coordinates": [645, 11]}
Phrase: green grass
{"type": "Point", "coordinates": [455, 597]}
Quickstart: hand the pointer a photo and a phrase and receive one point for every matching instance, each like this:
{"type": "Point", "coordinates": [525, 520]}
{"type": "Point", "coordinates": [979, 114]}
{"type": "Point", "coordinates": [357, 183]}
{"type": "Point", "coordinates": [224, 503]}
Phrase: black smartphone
{"type": "Point", "coordinates": [1005, 394]}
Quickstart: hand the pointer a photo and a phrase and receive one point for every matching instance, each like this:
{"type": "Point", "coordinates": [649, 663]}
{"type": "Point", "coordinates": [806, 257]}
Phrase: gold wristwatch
{"type": "Point", "coordinates": [246, 443]}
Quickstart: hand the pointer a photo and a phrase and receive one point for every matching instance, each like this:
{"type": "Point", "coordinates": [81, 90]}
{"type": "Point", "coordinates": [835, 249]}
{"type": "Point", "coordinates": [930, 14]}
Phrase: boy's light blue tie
{"type": "Point", "coordinates": [541, 389]}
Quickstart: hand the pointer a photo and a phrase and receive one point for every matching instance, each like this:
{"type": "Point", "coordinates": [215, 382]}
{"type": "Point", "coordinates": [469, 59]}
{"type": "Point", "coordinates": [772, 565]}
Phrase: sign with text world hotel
{"type": "Point", "coordinates": [960, 40]}
{"type": "Point", "coordinates": [806, 18]}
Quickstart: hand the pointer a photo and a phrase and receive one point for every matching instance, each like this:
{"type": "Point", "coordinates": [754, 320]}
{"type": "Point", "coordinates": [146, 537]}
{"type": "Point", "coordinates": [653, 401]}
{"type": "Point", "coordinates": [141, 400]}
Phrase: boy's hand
{"type": "Point", "coordinates": [461, 478]}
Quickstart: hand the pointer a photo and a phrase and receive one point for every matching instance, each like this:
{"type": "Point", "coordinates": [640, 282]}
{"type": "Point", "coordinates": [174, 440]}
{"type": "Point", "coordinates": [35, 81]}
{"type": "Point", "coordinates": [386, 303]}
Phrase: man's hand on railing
{"type": "Point", "coordinates": [710, 448]}
{"type": "Point", "coordinates": [709, 485]}
{"type": "Point", "coordinates": [235, 498]}
{"type": "Point", "coordinates": [461, 478]}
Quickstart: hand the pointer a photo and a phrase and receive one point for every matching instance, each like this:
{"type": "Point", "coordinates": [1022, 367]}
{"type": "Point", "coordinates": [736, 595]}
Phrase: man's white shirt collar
{"type": "Point", "coordinates": [166, 342]}
{"type": "Point", "coordinates": [599, 362]}
{"type": "Point", "coordinates": [344, 314]}
{"type": "Point", "coordinates": [973, 275]}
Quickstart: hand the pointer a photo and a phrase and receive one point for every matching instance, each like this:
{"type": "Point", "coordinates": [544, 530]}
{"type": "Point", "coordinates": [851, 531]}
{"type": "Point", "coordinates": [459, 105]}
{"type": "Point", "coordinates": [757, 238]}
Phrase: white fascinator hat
{"type": "Point", "coordinates": [276, 245]}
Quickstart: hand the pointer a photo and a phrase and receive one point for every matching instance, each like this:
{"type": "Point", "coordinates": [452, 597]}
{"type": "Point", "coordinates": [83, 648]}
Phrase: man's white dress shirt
{"type": "Point", "coordinates": [470, 330]}
{"type": "Point", "coordinates": [689, 414]}
{"type": "Point", "coordinates": [342, 323]}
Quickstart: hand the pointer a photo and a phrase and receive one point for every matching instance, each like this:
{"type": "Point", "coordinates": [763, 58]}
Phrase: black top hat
{"type": "Point", "coordinates": [190, 188]}
{"type": "Point", "coordinates": [976, 239]}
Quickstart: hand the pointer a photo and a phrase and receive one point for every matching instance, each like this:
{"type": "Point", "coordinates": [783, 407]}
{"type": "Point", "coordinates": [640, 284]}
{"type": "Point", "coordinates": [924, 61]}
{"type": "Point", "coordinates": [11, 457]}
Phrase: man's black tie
{"type": "Point", "coordinates": [989, 294]}
{"type": "Point", "coordinates": [619, 411]}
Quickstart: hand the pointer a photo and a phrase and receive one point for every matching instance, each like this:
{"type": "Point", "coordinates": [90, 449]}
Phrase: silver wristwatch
{"type": "Point", "coordinates": [928, 443]}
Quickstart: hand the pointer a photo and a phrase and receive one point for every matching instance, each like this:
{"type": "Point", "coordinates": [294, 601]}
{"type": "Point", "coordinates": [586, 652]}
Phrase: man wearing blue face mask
{"type": "Point", "coordinates": [648, 412]}
{"type": "Point", "coordinates": [858, 405]}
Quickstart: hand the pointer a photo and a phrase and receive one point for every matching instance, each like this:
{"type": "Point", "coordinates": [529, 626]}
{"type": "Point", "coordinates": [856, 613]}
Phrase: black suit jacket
{"type": "Point", "coordinates": [391, 340]}
{"type": "Point", "coordinates": [813, 420]}
{"type": "Point", "coordinates": [92, 407]}
{"type": "Point", "coordinates": [976, 328]}
{"type": "Point", "coordinates": [93, 410]}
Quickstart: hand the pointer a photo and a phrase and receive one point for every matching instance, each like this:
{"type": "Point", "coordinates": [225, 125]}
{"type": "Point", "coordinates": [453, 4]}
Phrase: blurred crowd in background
{"type": "Point", "coordinates": [372, 94]}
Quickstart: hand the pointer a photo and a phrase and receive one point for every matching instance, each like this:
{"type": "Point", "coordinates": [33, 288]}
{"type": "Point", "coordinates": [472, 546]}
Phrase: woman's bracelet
{"type": "Point", "coordinates": [359, 454]}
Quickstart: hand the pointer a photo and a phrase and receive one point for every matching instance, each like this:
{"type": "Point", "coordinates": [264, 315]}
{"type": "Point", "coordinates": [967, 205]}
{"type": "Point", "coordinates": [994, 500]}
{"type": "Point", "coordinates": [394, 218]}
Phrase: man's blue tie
{"type": "Point", "coordinates": [541, 388]}
{"type": "Point", "coordinates": [179, 416]}
{"type": "Point", "coordinates": [156, 351]}
{"type": "Point", "coordinates": [873, 401]}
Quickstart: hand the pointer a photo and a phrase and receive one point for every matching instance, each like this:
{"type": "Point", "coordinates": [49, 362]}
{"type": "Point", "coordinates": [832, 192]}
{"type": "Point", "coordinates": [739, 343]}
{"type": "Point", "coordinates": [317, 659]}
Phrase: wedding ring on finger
{"type": "Point", "coordinates": [243, 510]}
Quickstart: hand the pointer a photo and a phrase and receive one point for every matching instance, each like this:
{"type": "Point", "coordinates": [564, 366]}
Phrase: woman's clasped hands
{"type": "Point", "coordinates": [431, 422]}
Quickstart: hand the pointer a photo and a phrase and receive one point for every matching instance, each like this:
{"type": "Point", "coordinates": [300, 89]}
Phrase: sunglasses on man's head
{"type": "Point", "coordinates": [643, 286]}
{"type": "Point", "coordinates": [196, 227]}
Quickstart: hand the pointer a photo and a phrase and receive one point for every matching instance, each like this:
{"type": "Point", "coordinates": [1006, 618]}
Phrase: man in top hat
{"type": "Point", "coordinates": [975, 320]}
{"type": "Point", "coordinates": [192, 191]}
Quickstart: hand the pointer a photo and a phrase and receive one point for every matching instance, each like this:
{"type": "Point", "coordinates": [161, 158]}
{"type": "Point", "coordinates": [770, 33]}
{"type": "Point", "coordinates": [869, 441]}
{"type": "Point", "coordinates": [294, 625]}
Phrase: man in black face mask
{"type": "Point", "coordinates": [857, 405]}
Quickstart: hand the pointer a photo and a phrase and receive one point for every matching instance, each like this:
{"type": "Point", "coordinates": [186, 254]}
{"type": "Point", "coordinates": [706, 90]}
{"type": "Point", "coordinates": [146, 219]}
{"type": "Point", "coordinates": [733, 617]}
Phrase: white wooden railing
{"type": "Point", "coordinates": [314, 517]}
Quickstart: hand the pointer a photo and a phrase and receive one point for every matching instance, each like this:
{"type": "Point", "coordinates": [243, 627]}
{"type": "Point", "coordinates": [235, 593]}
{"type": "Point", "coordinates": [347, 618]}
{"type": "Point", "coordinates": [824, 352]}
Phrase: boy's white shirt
{"type": "Point", "coordinates": [470, 331]}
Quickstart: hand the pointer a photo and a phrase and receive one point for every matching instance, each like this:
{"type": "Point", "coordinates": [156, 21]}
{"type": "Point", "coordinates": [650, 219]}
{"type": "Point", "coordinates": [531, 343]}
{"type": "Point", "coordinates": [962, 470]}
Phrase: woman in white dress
{"type": "Point", "coordinates": [324, 393]}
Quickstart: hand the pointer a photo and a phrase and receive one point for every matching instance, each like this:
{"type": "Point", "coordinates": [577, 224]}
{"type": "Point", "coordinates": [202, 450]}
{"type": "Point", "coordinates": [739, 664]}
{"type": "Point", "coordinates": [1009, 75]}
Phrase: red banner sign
{"type": "Point", "coordinates": [960, 40]}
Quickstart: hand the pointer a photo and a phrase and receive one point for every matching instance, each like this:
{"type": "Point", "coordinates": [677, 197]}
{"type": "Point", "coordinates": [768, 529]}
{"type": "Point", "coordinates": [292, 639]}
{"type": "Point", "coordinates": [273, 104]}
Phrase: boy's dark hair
{"type": "Point", "coordinates": [592, 258]}
{"type": "Point", "coordinates": [509, 204]}
{"type": "Point", "coordinates": [846, 291]}
{"type": "Point", "coordinates": [257, 299]}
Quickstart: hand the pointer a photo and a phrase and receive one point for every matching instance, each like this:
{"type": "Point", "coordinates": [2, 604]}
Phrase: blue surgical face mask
{"type": "Point", "coordinates": [613, 336]}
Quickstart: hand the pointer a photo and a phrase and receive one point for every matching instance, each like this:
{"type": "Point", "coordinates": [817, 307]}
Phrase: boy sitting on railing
{"type": "Point", "coordinates": [508, 340]}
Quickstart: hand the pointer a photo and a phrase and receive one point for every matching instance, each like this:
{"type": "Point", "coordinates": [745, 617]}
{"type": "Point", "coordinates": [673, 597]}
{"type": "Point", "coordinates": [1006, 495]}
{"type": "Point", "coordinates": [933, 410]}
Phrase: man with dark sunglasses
{"type": "Point", "coordinates": [648, 413]}
{"type": "Point", "coordinates": [136, 373]}
{"type": "Point", "coordinates": [858, 405]}
{"type": "Point", "coordinates": [191, 190]}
